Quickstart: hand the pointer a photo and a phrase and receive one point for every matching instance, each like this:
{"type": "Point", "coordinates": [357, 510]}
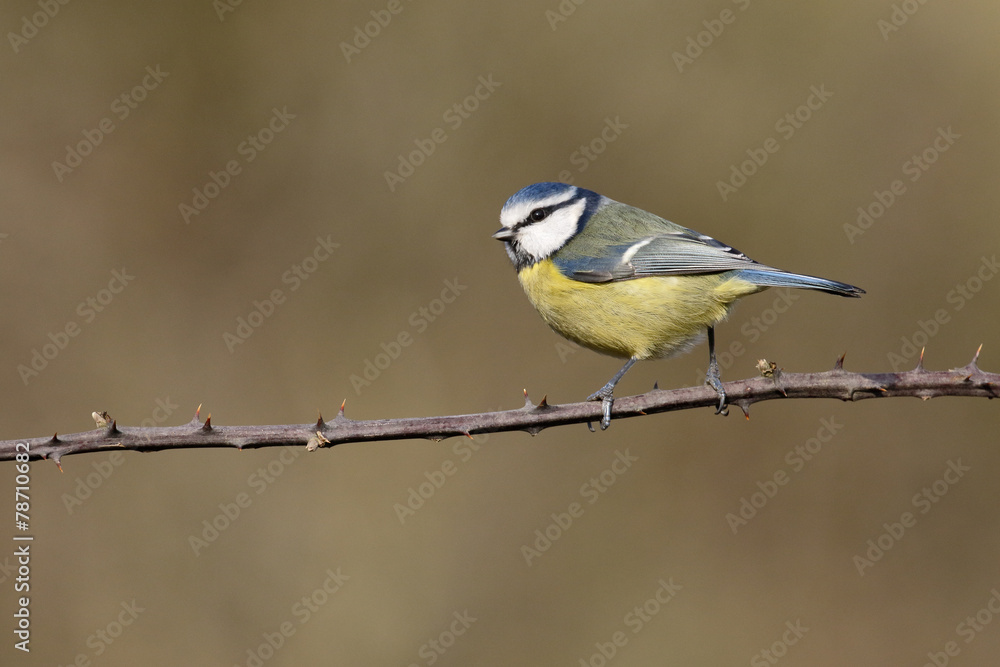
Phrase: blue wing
{"type": "Point", "coordinates": [668, 254]}
{"type": "Point", "coordinates": [658, 247]}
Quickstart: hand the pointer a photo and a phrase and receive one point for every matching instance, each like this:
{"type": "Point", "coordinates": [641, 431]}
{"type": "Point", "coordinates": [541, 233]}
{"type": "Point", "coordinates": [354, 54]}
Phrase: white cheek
{"type": "Point", "coordinates": [544, 238]}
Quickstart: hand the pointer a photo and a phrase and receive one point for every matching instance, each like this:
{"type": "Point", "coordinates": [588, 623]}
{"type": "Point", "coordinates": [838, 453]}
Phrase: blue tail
{"type": "Point", "coordinates": [774, 278]}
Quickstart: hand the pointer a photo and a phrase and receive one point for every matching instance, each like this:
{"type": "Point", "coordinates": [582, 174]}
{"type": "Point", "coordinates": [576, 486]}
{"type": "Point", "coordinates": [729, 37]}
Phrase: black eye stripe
{"type": "Point", "coordinates": [545, 210]}
{"type": "Point", "coordinates": [531, 219]}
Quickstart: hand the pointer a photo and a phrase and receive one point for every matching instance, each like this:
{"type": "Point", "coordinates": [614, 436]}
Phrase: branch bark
{"type": "Point", "coordinates": [774, 384]}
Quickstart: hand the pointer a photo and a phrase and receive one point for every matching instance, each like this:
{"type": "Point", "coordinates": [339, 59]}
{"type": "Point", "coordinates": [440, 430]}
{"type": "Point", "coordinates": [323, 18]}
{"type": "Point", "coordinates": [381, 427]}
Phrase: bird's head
{"type": "Point", "coordinates": [541, 218]}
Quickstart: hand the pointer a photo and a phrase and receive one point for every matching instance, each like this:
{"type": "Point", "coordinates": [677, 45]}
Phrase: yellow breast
{"type": "Point", "coordinates": [645, 318]}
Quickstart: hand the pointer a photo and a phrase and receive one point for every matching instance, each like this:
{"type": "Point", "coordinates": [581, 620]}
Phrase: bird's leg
{"type": "Point", "coordinates": [712, 378]}
{"type": "Point", "coordinates": [606, 395]}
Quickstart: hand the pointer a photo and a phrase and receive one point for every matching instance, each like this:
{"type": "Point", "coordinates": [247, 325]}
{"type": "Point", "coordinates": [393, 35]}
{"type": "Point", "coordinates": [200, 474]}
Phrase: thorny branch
{"type": "Point", "coordinates": [532, 418]}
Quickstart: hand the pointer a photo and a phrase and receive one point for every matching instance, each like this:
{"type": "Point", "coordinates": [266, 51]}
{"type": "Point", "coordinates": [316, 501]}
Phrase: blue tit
{"type": "Point", "coordinates": [624, 282]}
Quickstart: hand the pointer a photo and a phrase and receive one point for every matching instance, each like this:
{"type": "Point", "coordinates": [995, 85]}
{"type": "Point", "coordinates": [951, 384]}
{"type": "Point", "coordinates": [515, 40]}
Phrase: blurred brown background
{"type": "Point", "coordinates": [329, 122]}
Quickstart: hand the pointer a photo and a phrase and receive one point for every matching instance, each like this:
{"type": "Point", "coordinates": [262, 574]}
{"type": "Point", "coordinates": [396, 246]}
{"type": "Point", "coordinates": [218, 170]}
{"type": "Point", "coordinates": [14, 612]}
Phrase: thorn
{"type": "Point", "coordinates": [113, 428]}
{"type": "Point", "coordinates": [468, 435]}
{"type": "Point", "coordinates": [656, 385]}
{"type": "Point", "coordinates": [320, 424]}
{"type": "Point", "coordinates": [208, 423]}
{"type": "Point", "coordinates": [544, 403]}
{"type": "Point", "coordinates": [920, 362]}
{"type": "Point", "coordinates": [972, 368]}
{"type": "Point", "coordinates": [745, 407]}
{"type": "Point", "coordinates": [863, 390]}
{"type": "Point", "coordinates": [340, 413]}
{"type": "Point", "coordinates": [56, 457]}
{"type": "Point", "coordinates": [55, 438]}
{"type": "Point", "coordinates": [197, 413]}
{"type": "Point", "coordinates": [527, 401]}
{"type": "Point", "coordinates": [974, 364]}
{"type": "Point", "coordinates": [839, 366]}
{"type": "Point", "coordinates": [533, 430]}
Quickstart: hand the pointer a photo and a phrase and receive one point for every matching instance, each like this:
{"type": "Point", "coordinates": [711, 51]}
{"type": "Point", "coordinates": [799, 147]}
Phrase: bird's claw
{"type": "Point", "coordinates": [606, 396]}
{"type": "Point", "coordinates": [713, 380]}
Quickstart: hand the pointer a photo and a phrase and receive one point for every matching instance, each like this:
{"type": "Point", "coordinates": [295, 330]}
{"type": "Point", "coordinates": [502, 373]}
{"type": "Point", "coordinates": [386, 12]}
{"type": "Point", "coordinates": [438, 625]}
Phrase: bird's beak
{"type": "Point", "coordinates": [504, 234]}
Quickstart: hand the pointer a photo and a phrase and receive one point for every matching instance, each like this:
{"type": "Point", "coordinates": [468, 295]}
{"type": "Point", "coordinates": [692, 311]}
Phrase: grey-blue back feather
{"type": "Point", "coordinates": [621, 242]}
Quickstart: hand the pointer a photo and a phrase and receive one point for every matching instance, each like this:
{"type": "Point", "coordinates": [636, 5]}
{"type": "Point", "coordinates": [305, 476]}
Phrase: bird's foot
{"type": "Point", "coordinates": [713, 380]}
{"type": "Point", "coordinates": [606, 396]}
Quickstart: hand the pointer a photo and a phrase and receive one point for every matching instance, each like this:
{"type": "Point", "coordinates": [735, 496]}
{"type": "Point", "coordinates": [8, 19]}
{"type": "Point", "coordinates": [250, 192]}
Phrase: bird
{"type": "Point", "coordinates": [627, 283]}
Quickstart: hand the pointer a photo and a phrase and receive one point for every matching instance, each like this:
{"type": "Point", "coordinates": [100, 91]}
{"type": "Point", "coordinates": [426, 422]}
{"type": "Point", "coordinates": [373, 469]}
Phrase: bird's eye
{"type": "Point", "coordinates": [538, 214]}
